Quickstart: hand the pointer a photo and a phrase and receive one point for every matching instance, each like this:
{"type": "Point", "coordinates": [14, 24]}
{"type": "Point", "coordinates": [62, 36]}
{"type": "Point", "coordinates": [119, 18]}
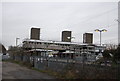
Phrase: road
{"type": "Point", "coordinates": [15, 71]}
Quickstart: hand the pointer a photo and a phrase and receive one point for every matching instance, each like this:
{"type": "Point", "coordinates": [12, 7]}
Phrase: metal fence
{"type": "Point", "coordinates": [63, 64]}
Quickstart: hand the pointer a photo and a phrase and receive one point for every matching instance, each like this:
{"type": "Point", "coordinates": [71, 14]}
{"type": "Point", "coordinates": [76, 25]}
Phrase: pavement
{"type": "Point", "coordinates": [15, 71]}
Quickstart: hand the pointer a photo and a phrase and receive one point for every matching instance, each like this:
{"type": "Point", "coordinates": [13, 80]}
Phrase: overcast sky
{"type": "Point", "coordinates": [54, 17]}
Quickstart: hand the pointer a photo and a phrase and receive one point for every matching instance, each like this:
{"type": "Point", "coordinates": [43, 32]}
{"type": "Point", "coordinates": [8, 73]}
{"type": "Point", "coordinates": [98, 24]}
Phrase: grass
{"type": "Point", "coordinates": [49, 72]}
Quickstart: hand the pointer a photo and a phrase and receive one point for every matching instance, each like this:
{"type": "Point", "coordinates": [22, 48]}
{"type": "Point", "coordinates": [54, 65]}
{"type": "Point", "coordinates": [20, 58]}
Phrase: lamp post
{"type": "Point", "coordinates": [118, 31]}
{"type": "Point", "coordinates": [17, 41]}
{"type": "Point", "coordinates": [70, 38]}
{"type": "Point", "coordinates": [98, 30]}
{"type": "Point", "coordinates": [102, 30]}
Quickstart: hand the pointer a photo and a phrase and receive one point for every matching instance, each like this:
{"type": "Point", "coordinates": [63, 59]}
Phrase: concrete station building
{"type": "Point", "coordinates": [65, 48]}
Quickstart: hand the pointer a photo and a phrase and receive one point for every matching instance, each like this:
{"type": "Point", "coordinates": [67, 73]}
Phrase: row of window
{"type": "Point", "coordinates": [45, 43]}
{"type": "Point", "coordinates": [88, 55]}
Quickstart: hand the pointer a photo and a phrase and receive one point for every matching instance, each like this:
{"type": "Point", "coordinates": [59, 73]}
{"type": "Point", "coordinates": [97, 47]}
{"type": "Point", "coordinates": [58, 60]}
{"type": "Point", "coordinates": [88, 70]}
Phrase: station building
{"type": "Point", "coordinates": [70, 50]}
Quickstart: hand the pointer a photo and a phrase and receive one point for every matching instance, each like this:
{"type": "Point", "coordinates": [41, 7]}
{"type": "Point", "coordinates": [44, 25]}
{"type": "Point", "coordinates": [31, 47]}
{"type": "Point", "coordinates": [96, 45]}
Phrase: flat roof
{"type": "Point", "coordinates": [56, 42]}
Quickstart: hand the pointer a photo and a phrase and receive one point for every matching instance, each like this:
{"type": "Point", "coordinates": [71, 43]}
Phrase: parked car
{"type": "Point", "coordinates": [4, 56]}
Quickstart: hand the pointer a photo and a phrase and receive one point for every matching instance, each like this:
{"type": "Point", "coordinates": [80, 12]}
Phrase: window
{"type": "Point", "coordinates": [77, 55]}
{"type": "Point", "coordinates": [37, 42]}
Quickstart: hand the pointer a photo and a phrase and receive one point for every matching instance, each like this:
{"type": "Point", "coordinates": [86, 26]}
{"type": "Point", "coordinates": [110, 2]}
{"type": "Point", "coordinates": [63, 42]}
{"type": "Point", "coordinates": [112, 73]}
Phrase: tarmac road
{"type": "Point", "coordinates": [15, 71]}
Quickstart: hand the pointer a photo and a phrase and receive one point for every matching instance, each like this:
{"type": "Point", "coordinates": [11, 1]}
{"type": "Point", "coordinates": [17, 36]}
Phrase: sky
{"type": "Point", "coordinates": [54, 17]}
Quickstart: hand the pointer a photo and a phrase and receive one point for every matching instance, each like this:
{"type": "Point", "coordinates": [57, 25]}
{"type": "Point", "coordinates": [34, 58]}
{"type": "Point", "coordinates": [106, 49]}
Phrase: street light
{"type": "Point", "coordinates": [70, 38]}
{"type": "Point", "coordinates": [98, 30]}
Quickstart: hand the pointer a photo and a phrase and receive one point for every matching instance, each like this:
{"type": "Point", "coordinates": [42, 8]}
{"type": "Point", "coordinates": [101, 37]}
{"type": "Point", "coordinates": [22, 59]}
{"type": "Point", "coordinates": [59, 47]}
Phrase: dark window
{"type": "Point", "coordinates": [77, 55]}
